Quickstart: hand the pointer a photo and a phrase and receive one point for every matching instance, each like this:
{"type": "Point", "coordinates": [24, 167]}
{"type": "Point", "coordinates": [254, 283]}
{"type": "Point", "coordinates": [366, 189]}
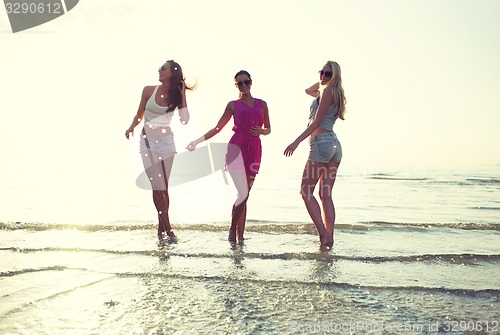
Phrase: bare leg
{"type": "Point", "coordinates": [325, 193]}
{"type": "Point", "coordinates": [240, 225]}
{"type": "Point", "coordinates": [240, 180]}
{"type": "Point", "coordinates": [161, 201]}
{"type": "Point", "coordinates": [312, 172]}
{"type": "Point", "coordinates": [158, 170]}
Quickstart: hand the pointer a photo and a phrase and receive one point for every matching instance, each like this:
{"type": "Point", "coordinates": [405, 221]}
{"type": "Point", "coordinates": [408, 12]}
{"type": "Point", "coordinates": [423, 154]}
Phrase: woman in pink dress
{"type": "Point", "coordinates": [251, 119]}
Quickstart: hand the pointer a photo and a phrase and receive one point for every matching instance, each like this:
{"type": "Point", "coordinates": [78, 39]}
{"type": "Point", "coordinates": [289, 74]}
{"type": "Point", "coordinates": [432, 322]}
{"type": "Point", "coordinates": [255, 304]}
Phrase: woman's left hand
{"type": "Point", "coordinates": [257, 131]}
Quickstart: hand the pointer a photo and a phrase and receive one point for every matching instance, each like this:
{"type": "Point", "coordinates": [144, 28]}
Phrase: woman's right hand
{"type": "Point", "coordinates": [290, 149]}
{"type": "Point", "coordinates": [313, 90]}
{"type": "Point", "coordinates": [128, 132]}
{"type": "Point", "coordinates": [191, 146]}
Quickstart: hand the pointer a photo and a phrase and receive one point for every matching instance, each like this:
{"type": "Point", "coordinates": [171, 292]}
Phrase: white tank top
{"type": "Point", "coordinates": [156, 116]}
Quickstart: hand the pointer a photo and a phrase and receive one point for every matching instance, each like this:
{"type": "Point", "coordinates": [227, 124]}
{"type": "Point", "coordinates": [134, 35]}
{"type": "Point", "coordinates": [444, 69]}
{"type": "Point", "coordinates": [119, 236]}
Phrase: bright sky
{"type": "Point", "coordinates": [421, 77]}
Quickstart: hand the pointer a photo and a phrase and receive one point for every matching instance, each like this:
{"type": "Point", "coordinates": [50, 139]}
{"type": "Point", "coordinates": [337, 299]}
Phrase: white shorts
{"type": "Point", "coordinates": [161, 145]}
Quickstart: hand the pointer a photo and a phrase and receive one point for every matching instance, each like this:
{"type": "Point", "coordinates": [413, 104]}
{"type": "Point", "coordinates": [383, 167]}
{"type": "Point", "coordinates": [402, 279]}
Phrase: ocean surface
{"type": "Point", "coordinates": [417, 250]}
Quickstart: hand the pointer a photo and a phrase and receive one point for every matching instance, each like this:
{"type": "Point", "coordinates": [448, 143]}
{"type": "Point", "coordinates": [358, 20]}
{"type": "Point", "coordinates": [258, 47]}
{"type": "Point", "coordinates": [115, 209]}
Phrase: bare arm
{"type": "Point", "coordinates": [183, 110]}
{"type": "Point", "coordinates": [226, 116]}
{"type": "Point", "coordinates": [146, 94]}
{"type": "Point", "coordinates": [326, 99]}
{"type": "Point", "coordinates": [313, 90]}
{"type": "Point", "coordinates": [256, 131]}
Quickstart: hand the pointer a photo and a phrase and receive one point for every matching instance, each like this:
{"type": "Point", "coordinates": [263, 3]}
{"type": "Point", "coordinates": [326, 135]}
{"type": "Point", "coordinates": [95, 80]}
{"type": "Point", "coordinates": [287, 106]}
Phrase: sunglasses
{"type": "Point", "coordinates": [327, 74]}
{"type": "Point", "coordinates": [163, 67]}
{"type": "Point", "coordinates": [246, 82]}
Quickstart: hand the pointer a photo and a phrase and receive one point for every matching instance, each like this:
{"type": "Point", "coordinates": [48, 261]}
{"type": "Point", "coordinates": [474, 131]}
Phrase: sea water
{"type": "Point", "coordinates": [416, 250]}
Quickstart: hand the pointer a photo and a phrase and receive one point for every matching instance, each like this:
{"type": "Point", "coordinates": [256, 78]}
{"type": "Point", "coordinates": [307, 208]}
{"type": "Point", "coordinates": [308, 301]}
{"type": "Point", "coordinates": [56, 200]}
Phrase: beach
{"type": "Point", "coordinates": [417, 254]}
{"type": "Point", "coordinates": [417, 194]}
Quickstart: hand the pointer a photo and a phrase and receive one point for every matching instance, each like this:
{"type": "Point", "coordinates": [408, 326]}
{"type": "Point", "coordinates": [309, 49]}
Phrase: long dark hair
{"type": "Point", "coordinates": [174, 97]}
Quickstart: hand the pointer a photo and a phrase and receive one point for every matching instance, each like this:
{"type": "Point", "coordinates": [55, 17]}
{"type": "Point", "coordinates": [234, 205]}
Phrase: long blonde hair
{"type": "Point", "coordinates": [335, 84]}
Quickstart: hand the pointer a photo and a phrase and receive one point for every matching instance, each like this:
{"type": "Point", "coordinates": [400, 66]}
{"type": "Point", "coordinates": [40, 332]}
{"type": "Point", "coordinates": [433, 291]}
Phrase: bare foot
{"type": "Point", "coordinates": [241, 240]}
{"type": "Point", "coordinates": [327, 246]}
{"type": "Point", "coordinates": [170, 234]}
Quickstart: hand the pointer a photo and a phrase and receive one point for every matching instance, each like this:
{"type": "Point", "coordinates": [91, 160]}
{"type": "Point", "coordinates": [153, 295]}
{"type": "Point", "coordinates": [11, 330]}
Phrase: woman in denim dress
{"type": "Point", "coordinates": [325, 150]}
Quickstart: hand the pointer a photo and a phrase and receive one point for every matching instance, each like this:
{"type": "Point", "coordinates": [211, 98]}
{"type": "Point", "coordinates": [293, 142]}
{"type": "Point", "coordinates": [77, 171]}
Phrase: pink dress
{"type": "Point", "coordinates": [242, 142]}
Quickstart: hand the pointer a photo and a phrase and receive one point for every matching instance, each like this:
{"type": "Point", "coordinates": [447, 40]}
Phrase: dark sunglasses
{"type": "Point", "coordinates": [163, 67]}
{"type": "Point", "coordinates": [246, 82]}
{"type": "Point", "coordinates": [327, 74]}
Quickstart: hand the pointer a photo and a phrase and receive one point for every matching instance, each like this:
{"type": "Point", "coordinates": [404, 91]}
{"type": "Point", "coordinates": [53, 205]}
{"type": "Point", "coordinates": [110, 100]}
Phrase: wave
{"type": "Point", "coordinates": [483, 181]}
{"type": "Point", "coordinates": [487, 208]}
{"type": "Point", "coordinates": [463, 259]}
{"type": "Point", "coordinates": [485, 293]}
{"type": "Point", "coordinates": [341, 285]}
{"type": "Point", "coordinates": [422, 225]}
{"type": "Point", "coordinates": [398, 178]}
{"type": "Point", "coordinates": [261, 226]}
{"type": "Point", "coordinates": [30, 270]}
{"type": "Point", "coordinates": [453, 180]}
{"type": "Point", "coordinates": [468, 182]}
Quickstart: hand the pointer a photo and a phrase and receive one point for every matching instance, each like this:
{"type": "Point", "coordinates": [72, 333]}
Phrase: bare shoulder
{"type": "Point", "coordinates": [230, 106]}
{"type": "Point", "coordinates": [326, 93]}
{"type": "Point", "coordinates": [330, 90]}
{"type": "Point", "coordinates": [148, 89]}
{"type": "Point", "coordinates": [147, 92]}
{"type": "Point", "coordinates": [262, 103]}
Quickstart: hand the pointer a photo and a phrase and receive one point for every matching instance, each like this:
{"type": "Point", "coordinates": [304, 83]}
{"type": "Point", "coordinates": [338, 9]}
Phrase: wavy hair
{"type": "Point", "coordinates": [174, 96]}
{"type": "Point", "coordinates": [335, 84]}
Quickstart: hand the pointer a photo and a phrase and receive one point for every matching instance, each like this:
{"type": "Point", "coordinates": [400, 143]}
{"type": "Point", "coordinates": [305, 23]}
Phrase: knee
{"type": "Point", "coordinates": [161, 196]}
{"type": "Point", "coordinates": [243, 196]}
{"type": "Point", "coordinates": [159, 192]}
{"type": "Point", "coordinates": [158, 185]}
{"type": "Point", "coordinates": [323, 197]}
{"type": "Point", "coordinates": [325, 193]}
{"type": "Point", "coordinates": [306, 193]}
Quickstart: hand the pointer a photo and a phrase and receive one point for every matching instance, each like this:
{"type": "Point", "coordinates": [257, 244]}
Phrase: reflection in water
{"type": "Point", "coordinates": [164, 250]}
{"type": "Point", "coordinates": [324, 269]}
{"type": "Point", "coordinates": [238, 255]}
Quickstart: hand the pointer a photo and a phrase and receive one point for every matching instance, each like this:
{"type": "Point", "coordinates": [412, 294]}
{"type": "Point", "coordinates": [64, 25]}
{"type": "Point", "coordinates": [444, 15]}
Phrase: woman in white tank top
{"type": "Point", "coordinates": [157, 146]}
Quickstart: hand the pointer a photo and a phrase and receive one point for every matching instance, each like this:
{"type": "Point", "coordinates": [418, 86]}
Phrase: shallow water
{"type": "Point", "coordinates": [394, 268]}
{"type": "Point", "coordinates": [64, 280]}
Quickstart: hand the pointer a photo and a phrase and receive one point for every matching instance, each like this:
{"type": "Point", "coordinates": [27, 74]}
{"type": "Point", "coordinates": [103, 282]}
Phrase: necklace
{"type": "Point", "coordinates": [162, 95]}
